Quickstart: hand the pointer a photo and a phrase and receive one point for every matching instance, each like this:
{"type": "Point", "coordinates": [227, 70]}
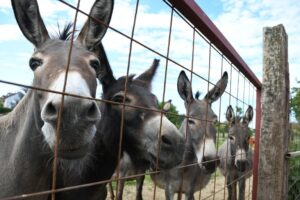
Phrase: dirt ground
{"type": "Point", "coordinates": [213, 191]}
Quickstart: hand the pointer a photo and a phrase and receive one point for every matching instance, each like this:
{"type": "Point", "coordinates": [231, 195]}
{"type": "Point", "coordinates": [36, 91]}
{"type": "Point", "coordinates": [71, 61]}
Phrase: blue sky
{"type": "Point", "coordinates": [241, 21]}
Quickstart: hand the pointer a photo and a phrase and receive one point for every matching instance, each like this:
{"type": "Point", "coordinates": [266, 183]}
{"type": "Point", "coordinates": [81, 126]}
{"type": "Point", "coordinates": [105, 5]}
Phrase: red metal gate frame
{"type": "Point", "coordinates": [192, 12]}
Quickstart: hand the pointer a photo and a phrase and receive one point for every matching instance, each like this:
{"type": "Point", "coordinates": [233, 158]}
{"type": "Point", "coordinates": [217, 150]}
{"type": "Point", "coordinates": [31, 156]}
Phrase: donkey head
{"type": "Point", "coordinates": [142, 124]}
{"type": "Point", "coordinates": [239, 137]}
{"type": "Point", "coordinates": [49, 62]}
{"type": "Point", "coordinates": [199, 126]}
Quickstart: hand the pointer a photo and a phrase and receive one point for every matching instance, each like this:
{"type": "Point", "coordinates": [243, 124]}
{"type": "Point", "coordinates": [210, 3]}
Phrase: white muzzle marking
{"type": "Point", "coordinates": [206, 150]}
{"type": "Point", "coordinates": [241, 155]}
{"type": "Point", "coordinates": [76, 84]}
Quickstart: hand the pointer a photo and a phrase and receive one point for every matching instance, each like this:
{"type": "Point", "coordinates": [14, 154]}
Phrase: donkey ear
{"type": "Point", "coordinates": [167, 105]}
{"type": "Point", "coordinates": [184, 87]}
{"type": "Point", "coordinates": [230, 116]}
{"type": "Point", "coordinates": [29, 20]}
{"type": "Point", "coordinates": [96, 26]}
{"type": "Point", "coordinates": [248, 115]}
{"type": "Point", "coordinates": [145, 79]}
{"type": "Point", "coordinates": [105, 76]}
{"type": "Point", "coordinates": [215, 93]}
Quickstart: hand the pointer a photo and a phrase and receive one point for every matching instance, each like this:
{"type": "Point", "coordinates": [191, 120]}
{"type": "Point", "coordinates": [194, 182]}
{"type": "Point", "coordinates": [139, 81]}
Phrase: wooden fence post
{"type": "Point", "coordinates": [274, 134]}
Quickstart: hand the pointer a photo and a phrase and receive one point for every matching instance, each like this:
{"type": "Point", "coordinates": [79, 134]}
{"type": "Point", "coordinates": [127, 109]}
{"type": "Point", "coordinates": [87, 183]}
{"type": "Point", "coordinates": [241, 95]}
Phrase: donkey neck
{"type": "Point", "coordinates": [23, 150]}
{"type": "Point", "coordinates": [22, 126]}
{"type": "Point", "coordinates": [189, 155]}
{"type": "Point", "coordinates": [110, 127]}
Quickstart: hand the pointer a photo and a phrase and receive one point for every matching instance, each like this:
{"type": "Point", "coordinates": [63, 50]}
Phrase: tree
{"type": "Point", "coordinates": [295, 102]}
{"type": "Point", "coordinates": [294, 164]}
{"type": "Point", "coordinates": [239, 111]}
{"type": "Point", "coordinates": [3, 110]}
{"type": "Point", "coordinates": [223, 128]}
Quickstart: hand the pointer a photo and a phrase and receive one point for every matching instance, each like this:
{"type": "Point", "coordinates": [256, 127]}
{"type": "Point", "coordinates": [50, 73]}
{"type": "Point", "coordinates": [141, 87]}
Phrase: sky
{"type": "Point", "coordinates": [241, 22]}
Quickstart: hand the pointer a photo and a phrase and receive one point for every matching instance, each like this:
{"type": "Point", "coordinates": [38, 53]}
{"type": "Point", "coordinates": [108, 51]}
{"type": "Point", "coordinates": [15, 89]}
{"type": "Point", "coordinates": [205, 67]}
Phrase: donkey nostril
{"type": "Point", "coordinates": [93, 111]}
{"type": "Point", "coordinates": [50, 112]}
{"type": "Point", "coordinates": [241, 165]}
{"type": "Point", "coordinates": [166, 140]}
{"type": "Point", "coordinates": [210, 164]}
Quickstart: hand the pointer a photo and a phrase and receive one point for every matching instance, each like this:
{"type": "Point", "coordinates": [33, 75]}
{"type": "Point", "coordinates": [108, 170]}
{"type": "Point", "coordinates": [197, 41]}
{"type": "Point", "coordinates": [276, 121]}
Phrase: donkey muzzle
{"type": "Point", "coordinates": [211, 163]}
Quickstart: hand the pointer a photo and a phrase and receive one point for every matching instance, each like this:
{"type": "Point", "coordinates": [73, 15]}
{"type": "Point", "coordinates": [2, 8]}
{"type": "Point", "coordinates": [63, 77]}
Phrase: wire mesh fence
{"type": "Point", "coordinates": [201, 75]}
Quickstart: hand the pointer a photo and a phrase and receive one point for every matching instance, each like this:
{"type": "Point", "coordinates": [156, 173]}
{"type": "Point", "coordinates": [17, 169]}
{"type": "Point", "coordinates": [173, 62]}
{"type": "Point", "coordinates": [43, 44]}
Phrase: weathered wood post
{"type": "Point", "coordinates": [272, 171]}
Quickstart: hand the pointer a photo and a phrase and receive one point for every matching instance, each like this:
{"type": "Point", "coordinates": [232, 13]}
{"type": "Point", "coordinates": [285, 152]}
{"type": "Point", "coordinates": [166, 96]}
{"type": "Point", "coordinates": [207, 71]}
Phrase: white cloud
{"type": "Point", "coordinates": [242, 24]}
{"type": "Point", "coordinates": [9, 32]}
{"type": "Point", "coordinates": [4, 4]}
{"type": "Point", "coordinates": [50, 8]}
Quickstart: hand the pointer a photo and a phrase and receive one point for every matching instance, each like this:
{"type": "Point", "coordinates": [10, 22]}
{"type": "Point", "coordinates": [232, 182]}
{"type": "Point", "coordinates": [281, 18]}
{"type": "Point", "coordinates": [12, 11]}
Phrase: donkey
{"type": "Point", "coordinates": [141, 127]}
{"type": "Point", "coordinates": [141, 131]}
{"type": "Point", "coordinates": [235, 154]}
{"type": "Point", "coordinates": [28, 134]}
{"type": "Point", "coordinates": [200, 152]}
{"type": "Point", "coordinates": [129, 168]}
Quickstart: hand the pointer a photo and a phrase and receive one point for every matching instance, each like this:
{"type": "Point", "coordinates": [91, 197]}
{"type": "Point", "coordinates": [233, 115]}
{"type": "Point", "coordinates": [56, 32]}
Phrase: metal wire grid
{"type": "Point", "coordinates": [232, 97]}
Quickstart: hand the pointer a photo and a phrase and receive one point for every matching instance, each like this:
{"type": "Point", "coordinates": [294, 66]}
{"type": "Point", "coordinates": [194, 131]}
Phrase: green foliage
{"type": "Point", "coordinates": [173, 115]}
{"type": "Point", "coordinates": [294, 166]}
{"type": "Point", "coordinates": [294, 163]}
{"type": "Point", "coordinates": [239, 111]}
{"type": "Point", "coordinates": [223, 128]}
{"type": "Point", "coordinates": [295, 103]}
{"type": "Point", "coordinates": [3, 110]}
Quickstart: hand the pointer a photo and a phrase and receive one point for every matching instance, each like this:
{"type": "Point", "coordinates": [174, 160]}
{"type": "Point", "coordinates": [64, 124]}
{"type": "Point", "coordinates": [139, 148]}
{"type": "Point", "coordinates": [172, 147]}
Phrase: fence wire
{"type": "Point", "coordinates": [240, 93]}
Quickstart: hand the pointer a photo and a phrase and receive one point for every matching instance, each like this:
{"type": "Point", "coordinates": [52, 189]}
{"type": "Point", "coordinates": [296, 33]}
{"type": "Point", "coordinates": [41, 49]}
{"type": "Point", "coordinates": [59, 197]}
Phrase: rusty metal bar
{"type": "Point", "coordinates": [60, 112]}
{"type": "Point", "coordinates": [196, 16]}
{"type": "Point", "coordinates": [256, 150]}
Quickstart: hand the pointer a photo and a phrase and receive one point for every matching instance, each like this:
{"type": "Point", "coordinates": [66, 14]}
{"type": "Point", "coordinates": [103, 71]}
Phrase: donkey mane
{"type": "Point", "coordinates": [197, 95]}
{"type": "Point", "coordinates": [65, 33]}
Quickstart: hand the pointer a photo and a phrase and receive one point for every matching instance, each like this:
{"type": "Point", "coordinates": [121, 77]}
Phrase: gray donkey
{"type": "Point", "coordinates": [235, 154]}
{"type": "Point", "coordinates": [129, 168]}
{"type": "Point", "coordinates": [200, 155]}
{"type": "Point", "coordinates": [28, 134]}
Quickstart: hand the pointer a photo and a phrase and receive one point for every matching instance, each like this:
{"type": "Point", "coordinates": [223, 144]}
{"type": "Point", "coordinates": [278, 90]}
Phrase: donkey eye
{"type": "Point", "coordinates": [120, 99]}
{"type": "Point", "coordinates": [35, 63]}
{"type": "Point", "coordinates": [191, 121]}
{"type": "Point", "coordinates": [231, 137]}
{"type": "Point", "coordinates": [95, 64]}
